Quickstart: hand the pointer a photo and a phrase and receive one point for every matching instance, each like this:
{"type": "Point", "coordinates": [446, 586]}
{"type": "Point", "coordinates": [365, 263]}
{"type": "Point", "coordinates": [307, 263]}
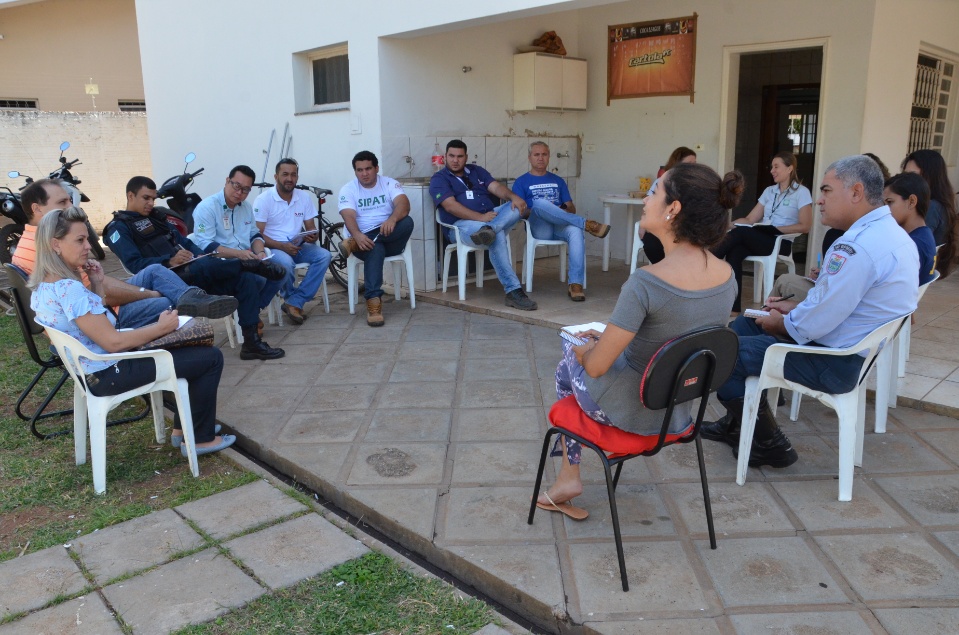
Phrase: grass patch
{"type": "Point", "coordinates": [371, 594]}
{"type": "Point", "coordinates": [46, 499]}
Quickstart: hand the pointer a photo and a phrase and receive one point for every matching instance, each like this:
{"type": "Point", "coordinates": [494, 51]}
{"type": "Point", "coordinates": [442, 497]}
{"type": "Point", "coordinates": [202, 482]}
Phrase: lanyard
{"type": "Point", "coordinates": [778, 204]}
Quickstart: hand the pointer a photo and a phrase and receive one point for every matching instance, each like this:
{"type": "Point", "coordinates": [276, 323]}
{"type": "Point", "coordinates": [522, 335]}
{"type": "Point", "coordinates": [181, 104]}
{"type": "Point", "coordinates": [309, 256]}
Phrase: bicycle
{"type": "Point", "coordinates": [331, 234]}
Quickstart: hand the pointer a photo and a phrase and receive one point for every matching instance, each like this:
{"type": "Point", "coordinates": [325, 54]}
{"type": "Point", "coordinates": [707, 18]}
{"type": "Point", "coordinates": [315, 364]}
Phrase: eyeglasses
{"type": "Point", "coordinates": [466, 180]}
{"type": "Point", "coordinates": [240, 188]}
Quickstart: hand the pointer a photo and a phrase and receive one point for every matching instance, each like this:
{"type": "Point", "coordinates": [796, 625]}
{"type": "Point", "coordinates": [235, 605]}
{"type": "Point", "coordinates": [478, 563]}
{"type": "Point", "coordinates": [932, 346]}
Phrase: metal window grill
{"type": "Point", "coordinates": [930, 103]}
{"type": "Point", "coordinates": [19, 104]}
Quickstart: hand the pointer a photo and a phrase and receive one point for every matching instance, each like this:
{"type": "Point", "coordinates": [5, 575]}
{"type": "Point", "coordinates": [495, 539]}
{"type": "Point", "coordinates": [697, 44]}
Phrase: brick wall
{"type": "Point", "coordinates": [111, 146]}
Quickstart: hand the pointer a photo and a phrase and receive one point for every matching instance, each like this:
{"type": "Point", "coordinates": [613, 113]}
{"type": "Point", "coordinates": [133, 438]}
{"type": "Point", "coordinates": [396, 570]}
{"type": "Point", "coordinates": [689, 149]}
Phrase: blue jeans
{"type": "Point", "coordinates": [143, 312]}
{"type": "Point", "coordinates": [506, 217]}
{"type": "Point", "coordinates": [226, 277]}
{"type": "Point", "coordinates": [311, 254]}
{"type": "Point", "coordinates": [548, 222]}
{"type": "Point", "coordinates": [828, 373]}
{"type": "Point", "coordinates": [384, 247]}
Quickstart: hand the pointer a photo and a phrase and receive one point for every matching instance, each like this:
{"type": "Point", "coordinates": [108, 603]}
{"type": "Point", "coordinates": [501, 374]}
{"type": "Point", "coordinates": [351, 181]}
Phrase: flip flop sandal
{"type": "Point", "coordinates": [566, 508]}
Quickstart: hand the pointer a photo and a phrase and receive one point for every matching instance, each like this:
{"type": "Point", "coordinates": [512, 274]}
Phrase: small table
{"type": "Point", "coordinates": [630, 203]}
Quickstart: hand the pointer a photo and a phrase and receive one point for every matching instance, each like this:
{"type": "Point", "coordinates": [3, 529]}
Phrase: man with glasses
{"type": "Point", "coordinates": [463, 194]}
{"type": "Point", "coordinates": [141, 236]}
{"type": "Point", "coordinates": [281, 213]}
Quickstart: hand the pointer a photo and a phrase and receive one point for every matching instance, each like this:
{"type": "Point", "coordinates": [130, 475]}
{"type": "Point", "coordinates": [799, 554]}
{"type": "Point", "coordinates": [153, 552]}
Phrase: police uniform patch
{"type": "Point", "coordinates": [847, 248]}
{"type": "Point", "coordinates": [835, 263]}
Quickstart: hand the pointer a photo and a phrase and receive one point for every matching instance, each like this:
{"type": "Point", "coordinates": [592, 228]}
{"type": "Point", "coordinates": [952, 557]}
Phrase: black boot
{"type": "Point", "coordinates": [266, 268]}
{"type": "Point", "coordinates": [256, 348]}
{"type": "Point", "coordinates": [770, 446]}
{"type": "Point", "coordinates": [726, 429]}
{"type": "Point", "coordinates": [199, 303]}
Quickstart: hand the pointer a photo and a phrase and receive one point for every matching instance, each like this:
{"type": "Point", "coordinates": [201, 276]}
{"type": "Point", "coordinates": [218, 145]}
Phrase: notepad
{"type": "Point", "coordinates": [755, 313]}
{"type": "Point", "coordinates": [568, 332]}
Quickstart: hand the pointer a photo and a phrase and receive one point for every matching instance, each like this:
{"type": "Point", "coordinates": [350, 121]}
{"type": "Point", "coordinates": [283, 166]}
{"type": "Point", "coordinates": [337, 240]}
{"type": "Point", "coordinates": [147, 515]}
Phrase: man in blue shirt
{"type": "Point", "coordinates": [463, 193]}
{"type": "Point", "coordinates": [553, 215]}
{"type": "Point", "coordinates": [868, 278]}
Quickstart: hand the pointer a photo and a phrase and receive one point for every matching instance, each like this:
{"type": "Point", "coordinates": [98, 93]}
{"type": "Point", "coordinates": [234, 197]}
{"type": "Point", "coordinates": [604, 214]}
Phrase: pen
{"type": "Point", "coordinates": [818, 261]}
{"type": "Point", "coordinates": [785, 297]}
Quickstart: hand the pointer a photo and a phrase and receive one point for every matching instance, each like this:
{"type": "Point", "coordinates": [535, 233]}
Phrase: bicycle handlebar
{"type": "Point", "coordinates": [318, 191]}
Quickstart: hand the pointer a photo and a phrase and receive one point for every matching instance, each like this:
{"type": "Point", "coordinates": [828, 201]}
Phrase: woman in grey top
{"type": "Point", "coordinates": [689, 289]}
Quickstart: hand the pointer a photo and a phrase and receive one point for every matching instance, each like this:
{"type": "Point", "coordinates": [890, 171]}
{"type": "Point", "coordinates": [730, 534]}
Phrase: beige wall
{"type": "Point", "coordinates": [51, 49]}
{"type": "Point", "coordinates": [112, 147]}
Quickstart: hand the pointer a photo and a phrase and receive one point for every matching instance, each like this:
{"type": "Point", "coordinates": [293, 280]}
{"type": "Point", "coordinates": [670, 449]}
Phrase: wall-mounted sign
{"type": "Point", "coordinates": [647, 59]}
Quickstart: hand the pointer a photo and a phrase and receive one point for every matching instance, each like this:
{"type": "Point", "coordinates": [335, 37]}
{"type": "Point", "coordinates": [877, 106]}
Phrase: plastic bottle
{"type": "Point", "coordinates": [437, 161]}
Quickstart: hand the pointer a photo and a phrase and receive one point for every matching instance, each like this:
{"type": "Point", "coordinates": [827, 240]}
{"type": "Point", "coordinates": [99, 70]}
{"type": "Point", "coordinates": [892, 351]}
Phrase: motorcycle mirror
{"type": "Point", "coordinates": [64, 146]}
{"type": "Point", "coordinates": [13, 174]}
{"type": "Point", "coordinates": [190, 158]}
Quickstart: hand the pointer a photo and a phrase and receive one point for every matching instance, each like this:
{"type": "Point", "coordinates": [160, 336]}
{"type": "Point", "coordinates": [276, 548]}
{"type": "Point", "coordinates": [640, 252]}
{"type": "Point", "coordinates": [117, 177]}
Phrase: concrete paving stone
{"type": "Point", "coordinates": [188, 591]}
{"type": "Point", "coordinates": [817, 505]}
{"type": "Point", "coordinates": [304, 375]}
{"type": "Point", "coordinates": [928, 621]}
{"type": "Point", "coordinates": [546, 366]}
{"type": "Point", "coordinates": [487, 368]}
{"type": "Point", "coordinates": [335, 322]}
{"type": "Point", "coordinates": [950, 539]}
{"type": "Point", "coordinates": [816, 458]}
{"type": "Point", "coordinates": [304, 354]}
{"type": "Point", "coordinates": [357, 371]}
{"type": "Point", "coordinates": [233, 375]}
{"type": "Point", "coordinates": [496, 348]}
{"type": "Point", "coordinates": [945, 393]}
{"type": "Point", "coordinates": [932, 334]}
{"type": "Point", "coordinates": [500, 424]}
{"type": "Point", "coordinates": [769, 571]}
{"type": "Point", "coordinates": [735, 509]}
{"type": "Point", "coordinates": [135, 545]}
{"type": "Point", "coordinates": [413, 509]}
{"type": "Point", "coordinates": [936, 350]}
{"type": "Point", "coordinates": [929, 367]}
{"type": "Point", "coordinates": [429, 350]}
{"type": "Point", "coordinates": [335, 426]}
{"type": "Point", "coordinates": [418, 394]}
{"type": "Point", "coordinates": [398, 464]}
{"type": "Point", "coordinates": [916, 386]}
{"type": "Point", "coordinates": [892, 566]}
{"type": "Point", "coordinates": [34, 580]}
{"type": "Point", "coordinates": [922, 420]}
{"type": "Point", "coordinates": [306, 461]}
{"type": "Point", "coordinates": [533, 570]}
{"type": "Point", "coordinates": [641, 511]}
{"type": "Point", "coordinates": [388, 333]}
{"type": "Point", "coordinates": [258, 427]}
{"type": "Point", "coordinates": [240, 509]}
{"type": "Point", "coordinates": [452, 332]}
{"type": "Point", "coordinates": [643, 626]}
{"type": "Point", "coordinates": [472, 511]}
{"type": "Point", "coordinates": [889, 453]}
{"type": "Point", "coordinates": [347, 353]}
{"type": "Point", "coordinates": [294, 550]}
{"type": "Point", "coordinates": [547, 388]}
{"type": "Point", "coordinates": [411, 424]}
{"type": "Point", "coordinates": [678, 462]}
{"type": "Point", "coordinates": [301, 336]}
{"type": "Point", "coordinates": [85, 615]}
{"type": "Point", "coordinates": [500, 330]}
{"type": "Point", "coordinates": [831, 623]}
{"type": "Point", "coordinates": [276, 399]}
{"type": "Point", "coordinates": [660, 577]}
{"type": "Point", "coordinates": [495, 463]}
{"type": "Point", "coordinates": [338, 397]}
{"type": "Point", "coordinates": [491, 629]}
{"type": "Point", "coordinates": [480, 394]}
{"type": "Point", "coordinates": [931, 500]}
{"type": "Point", "coordinates": [635, 472]}
{"type": "Point", "coordinates": [424, 370]}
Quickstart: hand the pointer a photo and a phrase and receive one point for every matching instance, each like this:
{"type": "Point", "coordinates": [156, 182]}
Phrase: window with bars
{"type": "Point", "coordinates": [132, 105]}
{"type": "Point", "coordinates": [930, 103]}
{"type": "Point", "coordinates": [331, 80]}
{"type": "Point", "coordinates": [19, 104]}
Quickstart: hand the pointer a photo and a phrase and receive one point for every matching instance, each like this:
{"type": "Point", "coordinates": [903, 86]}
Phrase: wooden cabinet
{"type": "Point", "coordinates": [548, 82]}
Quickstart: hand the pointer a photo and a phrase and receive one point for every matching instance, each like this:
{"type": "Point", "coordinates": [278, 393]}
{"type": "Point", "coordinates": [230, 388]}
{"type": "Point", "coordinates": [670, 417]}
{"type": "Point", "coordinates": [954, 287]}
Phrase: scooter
{"type": "Point", "coordinates": [11, 207]}
{"type": "Point", "coordinates": [70, 183]}
{"type": "Point", "coordinates": [180, 204]}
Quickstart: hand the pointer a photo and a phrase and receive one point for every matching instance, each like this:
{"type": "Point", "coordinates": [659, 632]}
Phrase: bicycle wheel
{"type": "Point", "coordinates": [332, 237]}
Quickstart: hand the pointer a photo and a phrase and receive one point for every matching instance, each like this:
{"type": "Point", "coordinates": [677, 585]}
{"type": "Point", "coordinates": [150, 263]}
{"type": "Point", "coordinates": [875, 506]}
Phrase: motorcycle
{"type": "Point", "coordinates": [70, 183]}
{"type": "Point", "coordinates": [10, 234]}
{"type": "Point", "coordinates": [180, 204]}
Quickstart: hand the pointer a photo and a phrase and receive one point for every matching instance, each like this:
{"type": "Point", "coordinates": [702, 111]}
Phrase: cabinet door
{"type": "Point", "coordinates": [574, 84]}
{"type": "Point", "coordinates": [548, 89]}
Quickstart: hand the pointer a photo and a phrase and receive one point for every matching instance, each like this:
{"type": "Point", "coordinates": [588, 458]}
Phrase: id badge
{"type": "Point", "coordinates": [469, 194]}
{"type": "Point", "coordinates": [226, 222]}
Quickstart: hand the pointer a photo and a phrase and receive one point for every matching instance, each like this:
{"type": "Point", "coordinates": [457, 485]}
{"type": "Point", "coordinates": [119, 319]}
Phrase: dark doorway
{"type": "Point", "coordinates": [778, 110]}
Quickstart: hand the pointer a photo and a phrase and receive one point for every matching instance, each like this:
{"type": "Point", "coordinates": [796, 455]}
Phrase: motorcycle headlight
{"type": "Point", "coordinates": [8, 206]}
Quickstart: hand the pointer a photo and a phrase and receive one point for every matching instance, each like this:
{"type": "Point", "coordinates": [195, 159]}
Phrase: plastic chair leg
{"type": "Point", "coordinates": [885, 375]}
{"type": "Point", "coordinates": [397, 280]}
{"type": "Point", "coordinates": [159, 423]}
{"type": "Point", "coordinates": [462, 258]}
{"type": "Point", "coordinates": [352, 286]}
{"type": "Point", "coordinates": [905, 335]}
{"type": "Point", "coordinates": [748, 427]}
{"type": "Point", "coordinates": [446, 268]}
{"type": "Point", "coordinates": [480, 272]}
{"type": "Point", "coordinates": [848, 414]}
{"type": "Point", "coordinates": [326, 297]}
{"type": "Point", "coordinates": [98, 446]}
{"type": "Point", "coordinates": [528, 257]}
{"type": "Point", "coordinates": [794, 406]}
{"type": "Point", "coordinates": [80, 418]}
{"type": "Point", "coordinates": [759, 271]}
{"type": "Point", "coordinates": [186, 421]}
{"type": "Point", "coordinates": [772, 396]}
{"type": "Point", "coordinates": [563, 256]}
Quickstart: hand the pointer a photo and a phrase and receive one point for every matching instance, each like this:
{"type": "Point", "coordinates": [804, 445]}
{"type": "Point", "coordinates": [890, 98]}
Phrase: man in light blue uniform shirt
{"type": "Point", "coordinates": [868, 278]}
{"type": "Point", "coordinates": [553, 215]}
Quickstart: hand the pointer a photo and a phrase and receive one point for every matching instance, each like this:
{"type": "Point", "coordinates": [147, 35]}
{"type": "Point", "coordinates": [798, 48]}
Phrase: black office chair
{"type": "Point", "coordinates": [686, 368]}
{"type": "Point", "coordinates": [21, 294]}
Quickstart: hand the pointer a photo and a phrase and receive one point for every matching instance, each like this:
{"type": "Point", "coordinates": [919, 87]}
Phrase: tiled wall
{"type": "Point", "coordinates": [504, 157]}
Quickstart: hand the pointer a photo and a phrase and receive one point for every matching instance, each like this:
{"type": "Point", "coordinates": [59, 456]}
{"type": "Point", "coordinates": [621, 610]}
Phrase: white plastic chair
{"type": "Point", "coordinates": [766, 267]}
{"type": "Point", "coordinates": [88, 408]}
{"type": "Point", "coordinates": [850, 406]}
{"type": "Point", "coordinates": [529, 255]}
{"type": "Point", "coordinates": [353, 265]}
{"type": "Point", "coordinates": [274, 310]}
{"type": "Point", "coordinates": [904, 341]}
{"type": "Point", "coordinates": [463, 250]}
{"type": "Point", "coordinates": [637, 247]}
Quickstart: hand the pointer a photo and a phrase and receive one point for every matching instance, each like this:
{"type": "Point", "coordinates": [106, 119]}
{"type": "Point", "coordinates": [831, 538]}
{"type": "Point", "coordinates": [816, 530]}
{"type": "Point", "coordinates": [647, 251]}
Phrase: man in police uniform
{"type": "Point", "coordinates": [140, 236]}
{"type": "Point", "coordinates": [463, 195]}
{"type": "Point", "coordinates": [868, 278]}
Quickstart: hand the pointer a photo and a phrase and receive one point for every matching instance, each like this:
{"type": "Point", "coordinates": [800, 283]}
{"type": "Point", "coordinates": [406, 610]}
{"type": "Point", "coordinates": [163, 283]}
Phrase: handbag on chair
{"type": "Point", "coordinates": [192, 333]}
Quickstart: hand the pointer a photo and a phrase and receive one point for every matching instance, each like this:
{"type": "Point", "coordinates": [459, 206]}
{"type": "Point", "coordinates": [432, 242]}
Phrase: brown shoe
{"type": "Point", "coordinates": [576, 293]}
{"type": "Point", "coordinates": [295, 313]}
{"type": "Point", "coordinates": [597, 229]}
{"type": "Point", "coordinates": [347, 245]}
{"type": "Point", "coordinates": [259, 328]}
{"type": "Point", "coordinates": [374, 312]}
